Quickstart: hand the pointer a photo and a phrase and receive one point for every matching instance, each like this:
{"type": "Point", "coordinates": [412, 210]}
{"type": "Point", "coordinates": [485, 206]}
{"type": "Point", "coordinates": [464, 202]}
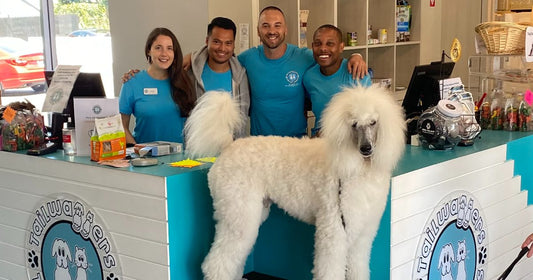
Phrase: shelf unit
{"type": "Point", "coordinates": [394, 60]}
{"type": "Point", "coordinates": [511, 73]}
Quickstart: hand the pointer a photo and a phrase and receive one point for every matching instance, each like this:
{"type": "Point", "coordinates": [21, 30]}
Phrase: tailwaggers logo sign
{"type": "Point", "coordinates": [66, 240]}
{"type": "Point", "coordinates": [454, 242]}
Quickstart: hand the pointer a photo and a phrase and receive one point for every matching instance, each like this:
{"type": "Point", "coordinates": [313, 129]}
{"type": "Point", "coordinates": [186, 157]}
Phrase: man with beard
{"type": "Point", "coordinates": [275, 70]}
{"type": "Point", "coordinates": [330, 74]}
{"type": "Point", "coordinates": [214, 67]}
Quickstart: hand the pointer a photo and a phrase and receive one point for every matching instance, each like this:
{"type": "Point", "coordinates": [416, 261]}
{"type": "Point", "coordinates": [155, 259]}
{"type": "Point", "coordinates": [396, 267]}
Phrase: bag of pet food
{"type": "Point", "coordinates": [109, 139]}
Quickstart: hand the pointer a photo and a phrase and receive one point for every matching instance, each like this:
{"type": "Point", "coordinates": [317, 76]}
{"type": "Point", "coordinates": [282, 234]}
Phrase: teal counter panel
{"type": "Point", "coordinates": [521, 151]}
{"type": "Point", "coordinates": [190, 223]}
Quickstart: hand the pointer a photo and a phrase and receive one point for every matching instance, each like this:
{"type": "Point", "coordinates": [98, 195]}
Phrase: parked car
{"type": "Point", "coordinates": [20, 65]}
{"type": "Point", "coordinates": [82, 33]}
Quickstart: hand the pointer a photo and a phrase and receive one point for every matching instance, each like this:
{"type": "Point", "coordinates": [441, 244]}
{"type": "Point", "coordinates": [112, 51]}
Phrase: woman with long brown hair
{"type": "Point", "coordinates": [160, 97]}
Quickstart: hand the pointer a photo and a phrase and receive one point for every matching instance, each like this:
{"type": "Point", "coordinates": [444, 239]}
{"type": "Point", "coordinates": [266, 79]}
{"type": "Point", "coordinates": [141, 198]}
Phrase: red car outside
{"type": "Point", "coordinates": [20, 66]}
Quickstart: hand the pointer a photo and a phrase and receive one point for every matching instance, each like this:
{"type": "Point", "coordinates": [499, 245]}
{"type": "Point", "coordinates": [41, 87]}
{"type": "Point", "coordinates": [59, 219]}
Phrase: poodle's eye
{"type": "Point", "coordinates": [373, 122]}
{"type": "Point", "coordinates": [354, 125]}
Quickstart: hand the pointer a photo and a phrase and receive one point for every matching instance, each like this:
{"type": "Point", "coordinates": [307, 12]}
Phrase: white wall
{"type": "Point", "coordinates": [431, 29]}
{"type": "Point", "coordinates": [459, 18]}
{"type": "Point", "coordinates": [132, 20]}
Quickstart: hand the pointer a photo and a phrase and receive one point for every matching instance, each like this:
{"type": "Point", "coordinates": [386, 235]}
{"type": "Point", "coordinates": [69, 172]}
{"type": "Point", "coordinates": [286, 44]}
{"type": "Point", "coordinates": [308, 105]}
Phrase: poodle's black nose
{"type": "Point", "coordinates": [366, 150]}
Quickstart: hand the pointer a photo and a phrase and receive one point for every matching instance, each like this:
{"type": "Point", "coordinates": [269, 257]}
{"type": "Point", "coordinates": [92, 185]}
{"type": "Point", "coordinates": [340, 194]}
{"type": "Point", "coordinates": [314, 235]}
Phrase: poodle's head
{"type": "Point", "coordinates": [446, 258]}
{"type": "Point", "coordinates": [365, 125]}
{"type": "Point", "coordinates": [61, 252]}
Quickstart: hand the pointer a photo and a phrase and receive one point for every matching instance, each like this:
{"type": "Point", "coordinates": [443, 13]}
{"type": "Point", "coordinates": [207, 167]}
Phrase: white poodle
{"type": "Point", "coordinates": [338, 182]}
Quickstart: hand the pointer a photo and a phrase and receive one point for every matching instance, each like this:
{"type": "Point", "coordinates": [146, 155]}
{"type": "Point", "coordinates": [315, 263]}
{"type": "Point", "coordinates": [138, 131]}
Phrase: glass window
{"type": "Point", "coordinates": [80, 36]}
{"type": "Point", "coordinates": [21, 51]}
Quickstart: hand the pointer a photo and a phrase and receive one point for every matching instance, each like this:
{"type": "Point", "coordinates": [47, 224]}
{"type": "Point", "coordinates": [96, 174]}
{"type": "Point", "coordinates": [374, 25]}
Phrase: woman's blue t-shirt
{"type": "Point", "coordinates": [157, 117]}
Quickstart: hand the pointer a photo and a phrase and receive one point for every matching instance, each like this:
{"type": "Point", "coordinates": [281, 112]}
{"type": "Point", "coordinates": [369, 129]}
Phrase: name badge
{"type": "Point", "coordinates": [150, 91]}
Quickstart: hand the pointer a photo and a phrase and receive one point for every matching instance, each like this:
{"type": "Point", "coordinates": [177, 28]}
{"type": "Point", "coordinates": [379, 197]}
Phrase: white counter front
{"type": "Point", "coordinates": [470, 204]}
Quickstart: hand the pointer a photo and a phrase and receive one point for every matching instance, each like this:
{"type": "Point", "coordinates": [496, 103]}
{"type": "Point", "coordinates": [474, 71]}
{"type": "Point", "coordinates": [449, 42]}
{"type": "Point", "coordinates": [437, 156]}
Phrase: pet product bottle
{"type": "Point", "coordinates": [69, 142]}
{"type": "Point", "coordinates": [383, 36]}
{"type": "Point", "coordinates": [496, 109]}
{"type": "Point", "coordinates": [525, 114]}
{"type": "Point", "coordinates": [511, 113]}
{"type": "Point", "coordinates": [369, 34]}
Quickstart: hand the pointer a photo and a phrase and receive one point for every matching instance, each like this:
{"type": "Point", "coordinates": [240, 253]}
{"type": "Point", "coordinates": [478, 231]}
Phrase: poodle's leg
{"type": "Point", "coordinates": [358, 267]}
{"type": "Point", "coordinates": [330, 248]}
{"type": "Point", "coordinates": [235, 234]}
{"type": "Point", "coordinates": [360, 247]}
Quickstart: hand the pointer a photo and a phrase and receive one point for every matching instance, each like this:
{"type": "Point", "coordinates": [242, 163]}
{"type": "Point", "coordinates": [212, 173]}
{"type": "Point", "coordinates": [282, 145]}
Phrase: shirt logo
{"type": "Point", "coordinates": [292, 77]}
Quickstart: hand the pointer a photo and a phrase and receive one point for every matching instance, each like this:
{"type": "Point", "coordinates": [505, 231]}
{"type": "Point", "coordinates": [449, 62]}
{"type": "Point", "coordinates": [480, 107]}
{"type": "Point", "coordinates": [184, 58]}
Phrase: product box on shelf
{"type": "Point", "coordinates": [403, 22]}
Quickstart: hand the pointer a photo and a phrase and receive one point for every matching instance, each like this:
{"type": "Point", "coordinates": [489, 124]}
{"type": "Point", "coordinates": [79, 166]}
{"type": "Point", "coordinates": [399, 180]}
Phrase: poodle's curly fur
{"type": "Point", "coordinates": [338, 182]}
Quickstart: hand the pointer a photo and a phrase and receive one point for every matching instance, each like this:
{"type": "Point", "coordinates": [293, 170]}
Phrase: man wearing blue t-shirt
{"type": "Point", "coordinates": [330, 74]}
{"type": "Point", "coordinates": [214, 67]}
{"type": "Point", "coordinates": [275, 71]}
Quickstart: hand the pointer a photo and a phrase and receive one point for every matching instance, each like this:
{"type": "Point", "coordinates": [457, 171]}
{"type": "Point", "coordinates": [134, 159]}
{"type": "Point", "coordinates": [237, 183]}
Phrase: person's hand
{"type": "Point", "coordinates": [186, 62]}
{"type": "Point", "coordinates": [357, 66]}
{"type": "Point", "coordinates": [127, 76]}
{"type": "Point", "coordinates": [526, 243]}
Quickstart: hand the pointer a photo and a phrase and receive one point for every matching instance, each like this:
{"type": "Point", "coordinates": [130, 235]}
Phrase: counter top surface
{"type": "Point", "coordinates": [415, 157]}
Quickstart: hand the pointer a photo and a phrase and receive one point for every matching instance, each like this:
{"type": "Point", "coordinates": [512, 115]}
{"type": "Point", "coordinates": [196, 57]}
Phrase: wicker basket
{"type": "Point", "coordinates": [503, 37]}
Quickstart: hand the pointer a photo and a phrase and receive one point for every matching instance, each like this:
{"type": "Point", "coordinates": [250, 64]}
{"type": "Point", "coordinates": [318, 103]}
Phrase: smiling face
{"type": "Point", "coordinates": [220, 45]}
{"type": "Point", "coordinates": [272, 28]}
{"type": "Point", "coordinates": [327, 50]}
{"type": "Point", "coordinates": [161, 53]}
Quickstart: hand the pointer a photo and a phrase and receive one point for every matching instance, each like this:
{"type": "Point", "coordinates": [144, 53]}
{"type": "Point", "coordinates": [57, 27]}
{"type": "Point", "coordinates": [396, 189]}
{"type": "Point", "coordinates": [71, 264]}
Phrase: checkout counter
{"type": "Point", "coordinates": [156, 222]}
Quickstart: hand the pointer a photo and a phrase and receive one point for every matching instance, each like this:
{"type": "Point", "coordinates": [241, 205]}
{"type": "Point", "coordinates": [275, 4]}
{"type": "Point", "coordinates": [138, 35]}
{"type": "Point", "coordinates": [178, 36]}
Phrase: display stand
{"type": "Point", "coordinates": [511, 73]}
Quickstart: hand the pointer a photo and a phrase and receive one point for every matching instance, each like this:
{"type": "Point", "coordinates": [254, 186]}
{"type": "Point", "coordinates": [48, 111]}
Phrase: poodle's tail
{"type": "Point", "coordinates": [212, 124]}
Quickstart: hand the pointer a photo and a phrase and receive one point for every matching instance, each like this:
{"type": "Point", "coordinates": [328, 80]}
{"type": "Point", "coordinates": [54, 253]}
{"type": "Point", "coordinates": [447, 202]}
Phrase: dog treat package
{"type": "Point", "coordinates": [20, 128]}
{"type": "Point", "coordinates": [109, 139]}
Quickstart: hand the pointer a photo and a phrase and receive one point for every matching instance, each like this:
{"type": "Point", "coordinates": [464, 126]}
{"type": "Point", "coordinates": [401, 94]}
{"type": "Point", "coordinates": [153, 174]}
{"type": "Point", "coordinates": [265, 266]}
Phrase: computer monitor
{"type": "Point", "coordinates": [423, 90]}
{"type": "Point", "coordinates": [86, 85]}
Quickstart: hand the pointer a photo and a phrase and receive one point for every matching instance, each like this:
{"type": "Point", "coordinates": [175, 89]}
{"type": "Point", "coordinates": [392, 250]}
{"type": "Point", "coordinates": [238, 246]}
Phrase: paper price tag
{"type": "Point", "coordinates": [9, 114]}
{"type": "Point", "coordinates": [529, 44]}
